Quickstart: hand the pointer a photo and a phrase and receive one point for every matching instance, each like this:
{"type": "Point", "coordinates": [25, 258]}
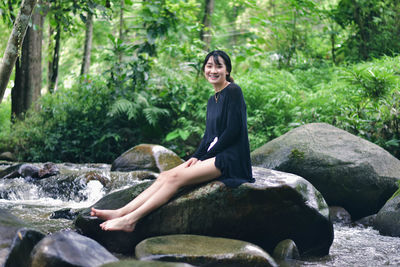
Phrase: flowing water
{"type": "Point", "coordinates": [75, 188]}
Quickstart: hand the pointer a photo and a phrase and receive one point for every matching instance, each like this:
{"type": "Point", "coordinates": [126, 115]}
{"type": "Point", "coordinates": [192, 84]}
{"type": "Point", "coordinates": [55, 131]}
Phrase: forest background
{"type": "Point", "coordinates": [94, 78]}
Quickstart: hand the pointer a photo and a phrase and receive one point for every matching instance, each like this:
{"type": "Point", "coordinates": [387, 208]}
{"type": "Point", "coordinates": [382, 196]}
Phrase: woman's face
{"type": "Point", "coordinates": [215, 73]}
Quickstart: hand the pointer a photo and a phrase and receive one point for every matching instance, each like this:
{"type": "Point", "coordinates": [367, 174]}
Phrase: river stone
{"type": "Point", "coordinates": [275, 207]}
{"type": "Point", "coordinates": [22, 246]}
{"type": "Point", "coordinates": [368, 221]}
{"type": "Point", "coordinates": [387, 220]}
{"type": "Point", "coordinates": [9, 225]}
{"type": "Point", "coordinates": [146, 157]}
{"type": "Point", "coordinates": [286, 250]}
{"type": "Point", "coordinates": [136, 263]}
{"type": "Point", "coordinates": [349, 171]}
{"type": "Point", "coordinates": [27, 170]}
{"type": "Point", "coordinates": [339, 215]}
{"type": "Point", "coordinates": [68, 248]}
{"type": "Point", "coordinates": [203, 251]}
{"type": "Point", "coordinates": [8, 156]}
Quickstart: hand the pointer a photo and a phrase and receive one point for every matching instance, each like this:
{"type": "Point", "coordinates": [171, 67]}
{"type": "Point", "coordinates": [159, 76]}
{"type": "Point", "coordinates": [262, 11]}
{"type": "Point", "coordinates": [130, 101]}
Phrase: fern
{"type": "Point", "coordinates": [140, 107]}
{"type": "Point", "coordinates": [154, 113]}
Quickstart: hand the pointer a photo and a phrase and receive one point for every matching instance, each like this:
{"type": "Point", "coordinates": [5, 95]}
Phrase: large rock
{"type": "Point", "coordinates": [136, 263]}
{"type": "Point", "coordinates": [68, 248]}
{"type": "Point", "coordinates": [277, 206]}
{"type": "Point", "coordinates": [203, 251]}
{"type": "Point", "coordinates": [349, 171]}
{"type": "Point", "coordinates": [9, 225]}
{"type": "Point", "coordinates": [146, 157]}
{"type": "Point", "coordinates": [387, 221]}
{"type": "Point", "coordinates": [24, 242]}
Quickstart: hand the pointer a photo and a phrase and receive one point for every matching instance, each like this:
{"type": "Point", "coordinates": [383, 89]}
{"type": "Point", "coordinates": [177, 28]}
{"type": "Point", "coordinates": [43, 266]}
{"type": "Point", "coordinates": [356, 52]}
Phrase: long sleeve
{"type": "Point", "coordinates": [233, 124]}
{"type": "Point", "coordinates": [201, 150]}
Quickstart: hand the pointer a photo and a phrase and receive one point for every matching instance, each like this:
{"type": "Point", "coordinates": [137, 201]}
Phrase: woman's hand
{"type": "Point", "coordinates": [191, 162]}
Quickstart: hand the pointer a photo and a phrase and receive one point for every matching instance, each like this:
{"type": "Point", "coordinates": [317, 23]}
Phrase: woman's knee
{"type": "Point", "coordinates": [170, 178]}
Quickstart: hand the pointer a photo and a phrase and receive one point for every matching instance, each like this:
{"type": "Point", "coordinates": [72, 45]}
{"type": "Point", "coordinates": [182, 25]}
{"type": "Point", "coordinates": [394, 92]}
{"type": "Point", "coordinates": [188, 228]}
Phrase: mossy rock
{"type": "Point", "coordinates": [203, 251]}
{"type": "Point", "coordinates": [349, 171]}
{"type": "Point", "coordinates": [136, 263]}
{"type": "Point", "coordinates": [147, 157]}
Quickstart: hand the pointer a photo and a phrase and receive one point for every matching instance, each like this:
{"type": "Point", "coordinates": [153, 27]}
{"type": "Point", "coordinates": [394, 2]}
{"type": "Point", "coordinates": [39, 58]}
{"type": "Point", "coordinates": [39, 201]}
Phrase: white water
{"type": "Point", "coordinates": [352, 246]}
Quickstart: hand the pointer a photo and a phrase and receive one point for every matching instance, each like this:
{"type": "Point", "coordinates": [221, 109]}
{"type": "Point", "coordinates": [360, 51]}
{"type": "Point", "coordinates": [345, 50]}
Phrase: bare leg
{"type": "Point", "coordinates": [170, 183]}
{"type": "Point", "coordinates": [136, 202]}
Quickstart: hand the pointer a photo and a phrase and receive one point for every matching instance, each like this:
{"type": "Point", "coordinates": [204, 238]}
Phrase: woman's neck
{"type": "Point", "coordinates": [220, 87]}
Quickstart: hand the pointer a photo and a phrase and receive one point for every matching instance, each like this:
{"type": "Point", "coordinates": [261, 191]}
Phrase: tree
{"type": "Point", "coordinates": [88, 44]}
{"type": "Point", "coordinates": [28, 69]}
{"type": "Point", "coordinates": [14, 43]}
{"type": "Point", "coordinates": [205, 34]}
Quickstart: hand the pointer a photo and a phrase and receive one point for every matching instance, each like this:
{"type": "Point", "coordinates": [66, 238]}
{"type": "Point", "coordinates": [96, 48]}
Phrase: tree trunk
{"type": "Point", "coordinates": [28, 71]}
{"type": "Point", "coordinates": [14, 43]}
{"type": "Point", "coordinates": [53, 64]}
{"type": "Point", "coordinates": [121, 28]}
{"type": "Point", "coordinates": [205, 33]}
{"type": "Point", "coordinates": [88, 44]}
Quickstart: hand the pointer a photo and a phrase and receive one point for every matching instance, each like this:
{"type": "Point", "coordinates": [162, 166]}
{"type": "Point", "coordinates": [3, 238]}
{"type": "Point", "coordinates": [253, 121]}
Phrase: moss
{"type": "Point", "coordinates": [296, 154]}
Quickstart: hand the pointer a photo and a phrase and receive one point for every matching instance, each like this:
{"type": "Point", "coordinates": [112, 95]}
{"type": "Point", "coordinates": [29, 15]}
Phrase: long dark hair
{"type": "Point", "coordinates": [219, 53]}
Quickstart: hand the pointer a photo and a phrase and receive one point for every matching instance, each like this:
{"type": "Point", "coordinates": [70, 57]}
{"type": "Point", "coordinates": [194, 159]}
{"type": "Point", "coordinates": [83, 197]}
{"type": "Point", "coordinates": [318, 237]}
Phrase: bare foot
{"type": "Point", "coordinates": [105, 214]}
{"type": "Point", "coordinates": [118, 224]}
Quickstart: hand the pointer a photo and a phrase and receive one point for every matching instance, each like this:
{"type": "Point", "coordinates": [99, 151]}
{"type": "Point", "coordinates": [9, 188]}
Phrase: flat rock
{"type": "Point", "coordinates": [349, 171]}
{"type": "Point", "coordinates": [203, 251]}
{"type": "Point", "coordinates": [277, 206]}
{"type": "Point", "coordinates": [136, 263]}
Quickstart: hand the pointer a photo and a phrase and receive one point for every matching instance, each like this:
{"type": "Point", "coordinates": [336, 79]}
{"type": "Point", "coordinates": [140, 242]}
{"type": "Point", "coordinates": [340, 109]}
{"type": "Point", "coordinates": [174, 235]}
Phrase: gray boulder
{"type": "Point", "coordinates": [387, 221]}
{"type": "Point", "coordinates": [276, 207]}
{"type": "Point", "coordinates": [146, 157]}
{"type": "Point", "coordinates": [69, 249]}
{"type": "Point", "coordinates": [9, 225]}
{"type": "Point", "coordinates": [24, 242]}
{"type": "Point", "coordinates": [203, 251]}
{"type": "Point", "coordinates": [349, 171]}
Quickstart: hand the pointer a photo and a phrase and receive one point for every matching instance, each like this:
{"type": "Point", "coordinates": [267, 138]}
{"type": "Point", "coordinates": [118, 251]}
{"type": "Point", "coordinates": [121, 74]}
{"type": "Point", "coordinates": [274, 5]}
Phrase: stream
{"type": "Point", "coordinates": [35, 202]}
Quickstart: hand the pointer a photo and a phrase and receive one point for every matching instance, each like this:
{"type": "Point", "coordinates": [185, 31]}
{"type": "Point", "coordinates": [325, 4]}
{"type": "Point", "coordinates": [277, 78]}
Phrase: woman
{"type": "Point", "coordinates": [223, 152]}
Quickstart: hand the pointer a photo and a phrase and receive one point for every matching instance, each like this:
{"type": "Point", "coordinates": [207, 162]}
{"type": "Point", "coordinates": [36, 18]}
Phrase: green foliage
{"type": "Point", "coordinates": [5, 124]}
{"type": "Point", "coordinates": [373, 26]}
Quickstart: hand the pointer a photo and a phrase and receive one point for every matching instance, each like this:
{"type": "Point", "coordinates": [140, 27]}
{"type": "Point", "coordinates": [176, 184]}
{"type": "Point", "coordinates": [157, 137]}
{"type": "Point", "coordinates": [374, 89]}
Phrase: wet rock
{"type": "Point", "coordinates": [67, 213]}
{"type": "Point", "coordinates": [69, 249]}
{"type": "Point", "coordinates": [286, 250]}
{"type": "Point", "coordinates": [368, 221]}
{"type": "Point", "coordinates": [203, 251]}
{"type": "Point", "coordinates": [48, 169]}
{"type": "Point", "coordinates": [349, 171]}
{"type": "Point", "coordinates": [339, 215]}
{"type": "Point", "coordinates": [136, 263]}
{"type": "Point", "coordinates": [276, 207]}
{"type": "Point", "coordinates": [9, 225]}
{"type": "Point", "coordinates": [30, 171]}
{"type": "Point", "coordinates": [146, 157]}
{"type": "Point", "coordinates": [8, 156]}
{"type": "Point", "coordinates": [22, 246]}
{"type": "Point", "coordinates": [387, 221]}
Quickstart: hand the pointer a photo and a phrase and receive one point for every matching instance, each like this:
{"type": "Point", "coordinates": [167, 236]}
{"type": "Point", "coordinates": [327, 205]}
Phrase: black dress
{"type": "Point", "coordinates": [226, 136]}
